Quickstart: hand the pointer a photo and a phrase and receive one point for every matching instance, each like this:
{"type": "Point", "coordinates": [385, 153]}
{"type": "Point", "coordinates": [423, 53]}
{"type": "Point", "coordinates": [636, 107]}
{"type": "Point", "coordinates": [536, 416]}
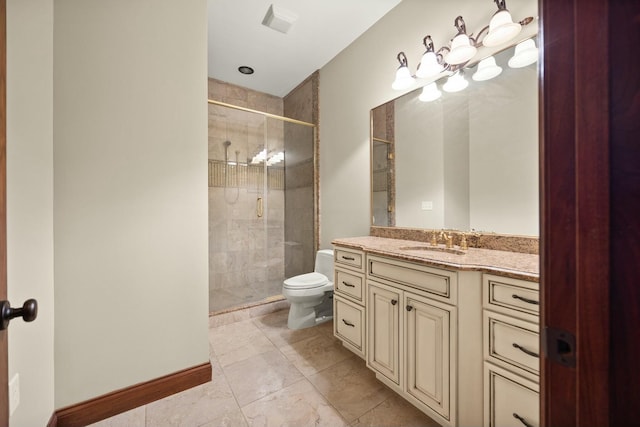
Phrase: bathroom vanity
{"type": "Point", "coordinates": [453, 332]}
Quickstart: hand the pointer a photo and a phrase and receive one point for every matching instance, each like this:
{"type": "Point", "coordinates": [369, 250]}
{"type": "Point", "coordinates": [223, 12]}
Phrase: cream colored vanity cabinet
{"type": "Point", "coordinates": [348, 299]}
{"type": "Point", "coordinates": [511, 352]}
{"type": "Point", "coordinates": [383, 326]}
{"type": "Point", "coordinates": [412, 318]}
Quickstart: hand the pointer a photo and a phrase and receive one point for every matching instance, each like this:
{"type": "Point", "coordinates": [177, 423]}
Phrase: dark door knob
{"type": "Point", "coordinates": [28, 312]}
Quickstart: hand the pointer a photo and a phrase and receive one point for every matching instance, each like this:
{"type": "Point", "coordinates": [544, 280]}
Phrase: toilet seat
{"type": "Point", "coordinates": [306, 281]}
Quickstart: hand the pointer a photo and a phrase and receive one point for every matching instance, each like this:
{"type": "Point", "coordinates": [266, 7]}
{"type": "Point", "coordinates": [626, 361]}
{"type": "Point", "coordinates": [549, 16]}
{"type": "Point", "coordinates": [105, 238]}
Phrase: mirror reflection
{"type": "Point", "coordinates": [466, 160]}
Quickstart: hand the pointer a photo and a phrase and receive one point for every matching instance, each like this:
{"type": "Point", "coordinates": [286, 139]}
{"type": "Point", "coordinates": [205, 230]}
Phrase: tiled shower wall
{"type": "Point", "coordinates": [241, 254]}
{"type": "Point", "coordinates": [300, 104]}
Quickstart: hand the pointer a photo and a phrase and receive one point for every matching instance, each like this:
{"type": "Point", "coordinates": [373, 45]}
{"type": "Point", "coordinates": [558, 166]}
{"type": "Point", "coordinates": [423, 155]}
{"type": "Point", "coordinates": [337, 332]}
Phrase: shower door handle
{"type": "Point", "coordinates": [259, 207]}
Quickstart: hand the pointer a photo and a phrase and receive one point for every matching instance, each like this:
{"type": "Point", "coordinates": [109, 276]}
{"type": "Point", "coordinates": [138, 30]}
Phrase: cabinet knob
{"type": "Point", "coordinates": [409, 308]}
{"type": "Point", "coordinates": [394, 301]}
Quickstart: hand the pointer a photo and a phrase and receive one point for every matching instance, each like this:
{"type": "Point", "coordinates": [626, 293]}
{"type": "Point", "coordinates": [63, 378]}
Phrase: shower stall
{"type": "Point", "coordinates": [261, 204]}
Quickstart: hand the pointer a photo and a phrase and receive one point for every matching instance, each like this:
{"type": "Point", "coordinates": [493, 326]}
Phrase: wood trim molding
{"type": "Point", "coordinates": [119, 401]}
{"type": "Point", "coordinates": [575, 207]}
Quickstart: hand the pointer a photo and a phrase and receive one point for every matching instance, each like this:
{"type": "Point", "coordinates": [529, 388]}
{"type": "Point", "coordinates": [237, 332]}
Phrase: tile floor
{"type": "Point", "coordinates": [243, 294]}
{"type": "Point", "coordinates": [265, 374]}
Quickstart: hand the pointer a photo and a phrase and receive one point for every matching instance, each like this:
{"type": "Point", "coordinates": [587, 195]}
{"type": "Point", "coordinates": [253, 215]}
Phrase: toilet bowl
{"type": "Point", "coordinates": [311, 294]}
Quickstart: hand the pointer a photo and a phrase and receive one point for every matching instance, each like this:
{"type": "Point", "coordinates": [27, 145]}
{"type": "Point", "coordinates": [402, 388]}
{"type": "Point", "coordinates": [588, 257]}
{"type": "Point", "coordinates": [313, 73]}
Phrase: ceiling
{"type": "Point", "coordinates": [323, 28]}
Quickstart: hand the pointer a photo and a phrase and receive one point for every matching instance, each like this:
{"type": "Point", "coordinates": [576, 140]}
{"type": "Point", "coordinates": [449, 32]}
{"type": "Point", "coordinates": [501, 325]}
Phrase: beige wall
{"type": "Point", "coordinates": [30, 203]}
{"type": "Point", "coordinates": [130, 208]}
{"type": "Point", "coordinates": [358, 79]}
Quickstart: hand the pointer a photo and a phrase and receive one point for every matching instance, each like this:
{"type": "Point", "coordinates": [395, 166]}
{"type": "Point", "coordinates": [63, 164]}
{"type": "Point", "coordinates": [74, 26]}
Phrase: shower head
{"type": "Point", "coordinates": [227, 143]}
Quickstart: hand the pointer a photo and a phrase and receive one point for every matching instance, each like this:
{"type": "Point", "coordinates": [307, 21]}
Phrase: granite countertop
{"type": "Point", "coordinates": [503, 263]}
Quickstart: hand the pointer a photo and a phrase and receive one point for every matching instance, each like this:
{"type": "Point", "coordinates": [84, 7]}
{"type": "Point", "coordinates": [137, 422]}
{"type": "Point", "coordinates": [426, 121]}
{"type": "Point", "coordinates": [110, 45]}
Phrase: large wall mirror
{"type": "Point", "coordinates": [466, 161]}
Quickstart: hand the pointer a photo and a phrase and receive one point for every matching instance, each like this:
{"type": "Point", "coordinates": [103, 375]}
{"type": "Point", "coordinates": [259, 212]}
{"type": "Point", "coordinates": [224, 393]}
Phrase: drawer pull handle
{"type": "Point", "coordinates": [525, 351]}
{"type": "Point", "coordinates": [394, 301]}
{"type": "Point", "coordinates": [348, 284]}
{"type": "Point", "coordinates": [348, 258]}
{"type": "Point", "coordinates": [522, 420]}
{"type": "Point", "coordinates": [409, 308]}
{"type": "Point", "coordinates": [348, 323]}
{"type": "Point", "coordinates": [527, 300]}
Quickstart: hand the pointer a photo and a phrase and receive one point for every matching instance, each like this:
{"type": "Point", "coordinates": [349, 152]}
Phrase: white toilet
{"type": "Point", "coordinates": [311, 294]}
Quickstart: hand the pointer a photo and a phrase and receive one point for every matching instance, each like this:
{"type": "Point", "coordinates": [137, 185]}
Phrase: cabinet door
{"type": "Point", "coordinates": [510, 400]}
{"type": "Point", "coordinates": [428, 330]}
{"type": "Point", "coordinates": [383, 329]}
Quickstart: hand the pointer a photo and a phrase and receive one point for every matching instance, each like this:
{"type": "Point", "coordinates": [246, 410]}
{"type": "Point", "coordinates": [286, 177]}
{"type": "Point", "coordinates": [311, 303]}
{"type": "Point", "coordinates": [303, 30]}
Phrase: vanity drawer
{"type": "Point", "coordinates": [440, 284]}
{"type": "Point", "coordinates": [512, 400]}
{"type": "Point", "coordinates": [349, 283]}
{"type": "Point", "coordinates": [348, 324]}
{"type": "Point", "coordinates": [351, 258]}
{"type": "Point", "coordinates": [511, 296]}
{"type": "Point", "coordinates": [511, 341]}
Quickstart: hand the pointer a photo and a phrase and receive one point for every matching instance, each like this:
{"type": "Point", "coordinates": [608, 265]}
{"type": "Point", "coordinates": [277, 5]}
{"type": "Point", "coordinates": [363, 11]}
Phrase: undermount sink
{"type": "Point", "coordinates": [452, 251]}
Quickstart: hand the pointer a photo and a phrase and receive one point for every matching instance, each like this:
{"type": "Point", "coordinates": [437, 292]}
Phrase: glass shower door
{"type": "Point", "coordinates": [237, 208]}
{"type": "Point", "coordinates": [261, 213]}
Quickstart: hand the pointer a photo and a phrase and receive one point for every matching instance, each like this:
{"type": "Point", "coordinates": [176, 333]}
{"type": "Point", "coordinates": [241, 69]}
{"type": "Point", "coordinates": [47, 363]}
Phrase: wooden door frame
{"type": "Point", "coordinates": [574, 235]}
{"type": "Point", "coordinates": [590, 202]}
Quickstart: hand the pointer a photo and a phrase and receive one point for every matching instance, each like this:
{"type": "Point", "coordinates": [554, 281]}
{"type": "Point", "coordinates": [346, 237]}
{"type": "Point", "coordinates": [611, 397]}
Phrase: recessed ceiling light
{"type": "Point", "coordinates": [245, 69]}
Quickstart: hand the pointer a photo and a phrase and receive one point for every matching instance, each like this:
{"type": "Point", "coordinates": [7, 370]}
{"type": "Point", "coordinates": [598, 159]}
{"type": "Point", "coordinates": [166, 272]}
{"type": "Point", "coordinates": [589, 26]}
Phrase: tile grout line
{"type": "Point", "coordinates": [233, 393]}
{"type": "Point", "coordinates": [305, 377]}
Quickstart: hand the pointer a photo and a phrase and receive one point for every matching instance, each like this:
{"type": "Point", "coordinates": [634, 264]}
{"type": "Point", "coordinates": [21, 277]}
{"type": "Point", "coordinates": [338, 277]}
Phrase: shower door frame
{"type": "Point", "coordinates": [316, 176]}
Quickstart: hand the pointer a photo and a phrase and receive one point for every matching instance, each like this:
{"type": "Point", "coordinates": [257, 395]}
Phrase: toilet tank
{"type": "Point", "coordinates": [324, 263]}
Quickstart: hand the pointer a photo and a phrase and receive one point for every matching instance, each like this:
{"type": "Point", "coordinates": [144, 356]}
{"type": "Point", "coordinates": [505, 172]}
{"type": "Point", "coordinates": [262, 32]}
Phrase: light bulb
{"type": "Point", "coordinates": [487, 69]}
{"type": "Point", "coordinates": [430, 93]}
{"type": "Point", "coordinates": [429, 66]}
{"type": "Point", "coordinates": [456, 83]}
{"type": "Point", "coordinates": [501, 29]}
{"type": "Point", "coordinates": [403, 78]}
{"type": "Point", "coordinates": [461, 50]}
{"type": "Point", "coordinates": [526, 54]}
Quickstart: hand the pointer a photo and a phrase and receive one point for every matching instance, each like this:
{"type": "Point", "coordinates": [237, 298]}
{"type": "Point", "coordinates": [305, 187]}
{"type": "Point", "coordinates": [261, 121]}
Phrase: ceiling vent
{"type": "Point", "coordinates": [279, 19]}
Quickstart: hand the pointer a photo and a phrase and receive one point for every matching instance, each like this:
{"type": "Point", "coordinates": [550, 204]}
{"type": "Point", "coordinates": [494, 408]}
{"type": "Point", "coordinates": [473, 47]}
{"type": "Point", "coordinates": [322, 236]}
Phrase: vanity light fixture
{"type": "Point", "coordinates": [456, 82]}
{"type": "Point", "coordinates": [487, 69]}
{"type": "Point", "coordinates": [526, 54]}
{"type": "Point", "coordinates": [430, 93]}
{"type": "Point", "coordinates": [431, 63]}
{"type": "Point", "coordinates": [404, 79]}
{"type": "Point", "coordinates": [462, 46]}
{"type": "Point", "coordinates": [501, 27]}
